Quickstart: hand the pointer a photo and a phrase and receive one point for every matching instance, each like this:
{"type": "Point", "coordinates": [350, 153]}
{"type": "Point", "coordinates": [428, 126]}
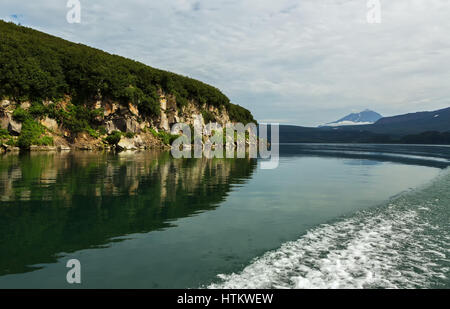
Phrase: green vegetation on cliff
{"type": "Point", "coordinates": [35, 66]}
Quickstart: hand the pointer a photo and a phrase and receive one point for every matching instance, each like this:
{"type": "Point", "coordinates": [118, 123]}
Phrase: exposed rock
{"type": "Point", "coordinates": [132, 125]}
{"type": "Point", "coordinates": [85, 147]}
{"type": "Point", "coordinates": [42, 148]}
{"type": "Point", "coordinates": [120, 124]}
{"type": "Point", "coordinates": [138, 142]}
{"type": "Point", "coordinates": [123, 124]}
{"type": "Point", "coordinates": [5, 103]}
{"type": "Point", "coordinates": [144, 124]}
{"type": "Point", "coordinates": [84, 141]}
{"type": "Point", "coordinates": [127, 144]}
{"type": "Point", "coordinates": [8, 148]}
{"type": "Point", "coordinates": [171, 114]}
{"type": "Point", "coordinates": [171, 103]}
{"type": "Point", "coordinates": [63, 148]}
{"type": "Point", "coordinates": [164, 123]}
{"type": "Point", "coordinates": [163, 103]}
{"type": "Point", "coordinates": [150, 141]}
{"type": "Point", "coordinates": [123, 110]}
{"type": "Point", "coordinates": [14, 127]}
{"type": "Point", "coordinates": [141, 141]}
{"type": "Point", "coordinates": [109, 108]}
{"type": "Point", "coordinates": [221, 115]}
{"type": "Point", "coordinates": [133, 109]}
{"type": "Point", "coordinates": [117, 124]}
{"type": "Point", "coordinates": [60, 142]}
{"type": "Point", "coordinates": [4, 120]}
{"type": "Point", "coordinates": [117, 117]}
{"type": "Point", "coordinates": [172, 119]}
{"type": "Point", "coordinates": [8, 123]}
{"type": "Point", "coordinates": [110, 126]}
{"type": "Point", "coordinates": [50, 124]}
{"type": "Point", "coordinates": [25, 105]}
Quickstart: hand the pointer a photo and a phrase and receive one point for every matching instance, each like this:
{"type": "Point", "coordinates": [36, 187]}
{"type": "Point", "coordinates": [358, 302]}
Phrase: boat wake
{"type": "Point", "coordinates": [404, 244]}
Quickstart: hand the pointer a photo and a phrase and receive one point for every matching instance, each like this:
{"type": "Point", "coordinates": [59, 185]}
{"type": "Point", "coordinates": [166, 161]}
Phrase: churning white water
{"type": "Point", "coordinates": [404, 244]}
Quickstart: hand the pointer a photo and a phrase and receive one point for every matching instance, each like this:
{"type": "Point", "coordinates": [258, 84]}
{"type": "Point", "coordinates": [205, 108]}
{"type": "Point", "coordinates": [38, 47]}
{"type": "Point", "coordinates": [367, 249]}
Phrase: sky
{"type": "Point", "coordinates": [303, 62]}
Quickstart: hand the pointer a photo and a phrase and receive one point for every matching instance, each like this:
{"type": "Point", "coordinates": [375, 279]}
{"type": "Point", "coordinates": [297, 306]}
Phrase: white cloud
{"type": "Point", "coordinates": [305, 62]}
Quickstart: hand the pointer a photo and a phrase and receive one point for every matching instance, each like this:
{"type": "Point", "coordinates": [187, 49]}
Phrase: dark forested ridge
{"type": "Point", "coordinates": [432, 127]}
{"type": "Point", "coordinates": [36, 66]}
{"type": "Point", "coordinates": [412, 123]}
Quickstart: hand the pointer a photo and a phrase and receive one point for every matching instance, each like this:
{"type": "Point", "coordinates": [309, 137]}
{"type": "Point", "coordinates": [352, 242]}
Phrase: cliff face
{"type": "Point", "coordinates": [137, 131]}
{"type": "Point", "coordinates": [128, 119]}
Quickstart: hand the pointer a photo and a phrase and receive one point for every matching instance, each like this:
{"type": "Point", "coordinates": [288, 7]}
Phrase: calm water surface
{"type": "Point", "coordinates": [328, 216]}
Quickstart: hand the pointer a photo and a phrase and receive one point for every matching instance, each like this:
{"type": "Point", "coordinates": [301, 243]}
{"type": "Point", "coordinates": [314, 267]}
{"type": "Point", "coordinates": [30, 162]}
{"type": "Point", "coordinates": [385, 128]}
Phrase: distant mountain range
{"type": "Point", "coordinates": [365, 117]}
{"type": "Point", "coordinates": [431, 127]}
{"type": "Point", "coordinates": [413, 123]}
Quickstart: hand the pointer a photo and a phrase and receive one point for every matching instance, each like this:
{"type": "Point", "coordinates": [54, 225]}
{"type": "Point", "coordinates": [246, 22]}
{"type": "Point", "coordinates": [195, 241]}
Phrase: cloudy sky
{"type": "Point", "coordinates": [304, 62]}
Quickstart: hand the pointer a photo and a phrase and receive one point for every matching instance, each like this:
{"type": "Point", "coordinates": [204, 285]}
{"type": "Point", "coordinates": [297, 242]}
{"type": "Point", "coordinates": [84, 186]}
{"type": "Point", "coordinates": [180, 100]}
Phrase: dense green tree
{"type": "Point", "coordinates": [36, 66]}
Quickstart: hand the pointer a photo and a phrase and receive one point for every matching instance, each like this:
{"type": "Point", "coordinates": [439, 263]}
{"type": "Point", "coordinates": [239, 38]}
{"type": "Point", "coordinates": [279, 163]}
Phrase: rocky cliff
{"type": "Point", "coordinates": [137, 131]}
{"type": "Point", "coordinates": [56, 93]}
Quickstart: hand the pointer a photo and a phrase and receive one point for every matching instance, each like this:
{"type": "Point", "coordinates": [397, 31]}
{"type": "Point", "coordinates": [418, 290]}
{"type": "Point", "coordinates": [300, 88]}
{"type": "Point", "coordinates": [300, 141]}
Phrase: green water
{"type": "Point", "coordinates": [145, 220]}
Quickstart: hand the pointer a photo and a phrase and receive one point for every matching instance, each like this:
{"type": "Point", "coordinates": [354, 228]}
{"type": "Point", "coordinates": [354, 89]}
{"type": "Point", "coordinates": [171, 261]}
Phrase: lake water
{"type": "Point", "coordinates": [330, 216]}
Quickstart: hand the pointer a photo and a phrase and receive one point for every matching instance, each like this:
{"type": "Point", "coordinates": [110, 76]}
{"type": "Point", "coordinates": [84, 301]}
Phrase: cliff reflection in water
{"type": "Point", "coordinates": [64, 202]}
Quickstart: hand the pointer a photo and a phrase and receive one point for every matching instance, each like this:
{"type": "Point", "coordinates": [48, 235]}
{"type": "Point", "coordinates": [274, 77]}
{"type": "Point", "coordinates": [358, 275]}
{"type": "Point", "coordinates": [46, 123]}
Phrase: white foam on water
{"type": "Point", "coordinates": [390, 247]}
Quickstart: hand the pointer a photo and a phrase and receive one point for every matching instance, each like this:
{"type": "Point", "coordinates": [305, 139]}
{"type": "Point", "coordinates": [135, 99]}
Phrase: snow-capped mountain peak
{"type": "Point", "coordinates": [365, 117]}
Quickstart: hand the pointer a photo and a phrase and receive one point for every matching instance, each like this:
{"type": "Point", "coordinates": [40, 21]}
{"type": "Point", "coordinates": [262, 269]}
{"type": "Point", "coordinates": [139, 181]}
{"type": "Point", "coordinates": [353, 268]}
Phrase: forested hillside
{"type": "Point", "coordinates": [36, 66]}
{"type": "Point", "coordinates": [57, 93]}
